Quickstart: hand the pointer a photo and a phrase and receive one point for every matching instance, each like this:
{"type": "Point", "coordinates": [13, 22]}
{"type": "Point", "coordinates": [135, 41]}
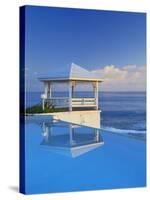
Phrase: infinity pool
{"type": "Point", "coordinates": [62, 157]}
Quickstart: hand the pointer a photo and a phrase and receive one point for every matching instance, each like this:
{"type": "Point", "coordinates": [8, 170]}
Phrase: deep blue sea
{"type": "Point", "coordinates": [63, 157]}
{"type": "Point", "coordinates": [122, 112]}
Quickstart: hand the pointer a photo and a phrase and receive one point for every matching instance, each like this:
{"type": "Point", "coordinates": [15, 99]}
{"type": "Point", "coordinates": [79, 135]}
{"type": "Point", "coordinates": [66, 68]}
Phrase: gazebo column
{"type": "Point", "coordinates": [45, 131]}
{"type": "Point", "coordinates": [47, 93]}
{"type": "Point", "coordinates": [96, 135]}
{"type": "Point", "coordinates": [70, 95]}
{"type": "Point", "coordinates": [73, 88]}
{"type": "Point", "coordinates": [71, 134]}
{"type": "Point", "coordinates": [46, 89]}
{"type": "Point", "coordinates": [95, 86]}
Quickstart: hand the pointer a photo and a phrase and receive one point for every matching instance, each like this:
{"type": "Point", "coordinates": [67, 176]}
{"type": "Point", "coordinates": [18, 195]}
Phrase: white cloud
{"type": "Point", "coordinates": [127, 78]}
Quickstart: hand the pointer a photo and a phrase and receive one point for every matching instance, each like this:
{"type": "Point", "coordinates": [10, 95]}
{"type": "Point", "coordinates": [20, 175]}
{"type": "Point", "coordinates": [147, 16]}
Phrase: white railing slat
{"type": "Point", "coordinates": [64, 101]}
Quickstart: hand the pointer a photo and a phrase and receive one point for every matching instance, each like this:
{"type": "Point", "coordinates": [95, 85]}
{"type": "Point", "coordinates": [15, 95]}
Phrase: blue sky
{"type": "Point", "coordinates": [93, 39]}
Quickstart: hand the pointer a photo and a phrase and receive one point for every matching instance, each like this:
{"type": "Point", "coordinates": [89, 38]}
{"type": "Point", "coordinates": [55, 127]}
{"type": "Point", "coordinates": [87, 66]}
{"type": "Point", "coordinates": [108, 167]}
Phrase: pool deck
{"type": "Point", "coordinates": [90, 118]}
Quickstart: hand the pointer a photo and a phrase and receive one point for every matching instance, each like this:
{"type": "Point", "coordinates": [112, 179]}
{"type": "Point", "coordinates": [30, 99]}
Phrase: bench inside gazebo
{"type": "Point", "coordinates": [72, 77]}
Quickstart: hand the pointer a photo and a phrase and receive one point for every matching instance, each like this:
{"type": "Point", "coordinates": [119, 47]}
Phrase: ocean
{"type": "Point", "coordinates": [122, 113]}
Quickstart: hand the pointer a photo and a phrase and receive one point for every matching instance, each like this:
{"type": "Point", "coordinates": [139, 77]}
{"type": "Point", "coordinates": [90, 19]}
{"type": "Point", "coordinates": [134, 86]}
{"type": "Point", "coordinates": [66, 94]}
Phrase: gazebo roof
{"type": "Point", "coordinates": [73, 151]}
{"type": "Point", "coordinates": [71, 72]}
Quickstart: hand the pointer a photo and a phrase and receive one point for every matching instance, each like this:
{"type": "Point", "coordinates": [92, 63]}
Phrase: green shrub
{"type": "Point", "coordinates": [38, 109]}
{"type": "Point", "coordinates": [35, 109]}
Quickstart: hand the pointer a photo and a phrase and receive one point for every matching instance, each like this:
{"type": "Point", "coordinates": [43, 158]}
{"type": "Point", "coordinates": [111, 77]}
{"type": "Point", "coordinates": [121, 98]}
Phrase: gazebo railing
{"type": "Point", "coordinates": [81, 102]}
{"type": "Point", "coordinates": [64, 102]}
{"type": "Point", "coordinates": [58, 102]}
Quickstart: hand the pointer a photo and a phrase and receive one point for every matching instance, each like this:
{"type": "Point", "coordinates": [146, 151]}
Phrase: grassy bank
{"type": "Point", "coordinates": [38, 109]}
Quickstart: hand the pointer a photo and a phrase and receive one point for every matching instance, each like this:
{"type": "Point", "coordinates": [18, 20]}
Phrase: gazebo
{"type": "Point", "coordinates": [73, 76]}
{"type": "Point", "coordinates": [72, 141]}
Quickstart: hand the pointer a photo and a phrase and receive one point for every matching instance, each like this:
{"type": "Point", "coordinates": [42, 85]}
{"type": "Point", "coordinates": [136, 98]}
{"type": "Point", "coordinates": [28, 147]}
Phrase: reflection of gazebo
{"type": "Point", "coordinates": [72, 76]}
{"type": "Point", "coordinates": [73, 140]}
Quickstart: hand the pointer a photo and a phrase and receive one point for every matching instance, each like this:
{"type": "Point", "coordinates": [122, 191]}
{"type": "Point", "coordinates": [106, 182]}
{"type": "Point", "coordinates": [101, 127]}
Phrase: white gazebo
{"type": "Point", "coordinates": [73, 76]}
{"type": "Point", "coordinates": [72, 141]}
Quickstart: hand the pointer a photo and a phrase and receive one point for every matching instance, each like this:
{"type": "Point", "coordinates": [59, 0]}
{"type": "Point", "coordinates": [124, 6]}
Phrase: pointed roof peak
{"type": "Point", "coordinates": [75, 72]}
{"type": "Point", "coordinates": [78, 71]}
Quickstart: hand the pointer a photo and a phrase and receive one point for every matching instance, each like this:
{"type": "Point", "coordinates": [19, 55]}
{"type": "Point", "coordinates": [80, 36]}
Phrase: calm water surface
{"type": "Point", "coordinates": [64, 157]}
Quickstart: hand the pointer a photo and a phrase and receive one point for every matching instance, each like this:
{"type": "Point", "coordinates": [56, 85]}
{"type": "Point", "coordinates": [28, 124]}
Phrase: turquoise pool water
{"type": "Point", "coordinates": [62, 157]}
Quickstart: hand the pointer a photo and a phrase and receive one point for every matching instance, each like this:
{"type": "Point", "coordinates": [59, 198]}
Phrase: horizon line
{"type": "Point", "coordinates": [92, 91]}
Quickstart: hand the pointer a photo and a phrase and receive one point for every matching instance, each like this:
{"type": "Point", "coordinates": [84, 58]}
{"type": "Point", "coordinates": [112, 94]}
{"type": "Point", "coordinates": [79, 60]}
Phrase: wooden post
{"type": "Point", "coordinates": [72, 91]}
{"type": "Point", "coordinates": [46, 89]}
{"type": "Point", "coordinates": [73, 88]}
{"type": "Point", "coordinates": [49, 95]}
{"type": "Point", "coordinates": [71, 134]}
{"type": "Point", "coordinates": [45, 94]}
{"type": "Point", "coordinates": [49, 90]}
{"type": "Point", "coordinates": [97, 135]}
{"type": "Point", "coordinates": [70, 95]}
{"type": "Point", "coordinates": [45, 131]}
{"type": "Point", "coordinates": [97, 95]}
{"type": "Point", "coordinates": [95, 85]}
{"type": "Point", "coordinates": [43, 104]}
